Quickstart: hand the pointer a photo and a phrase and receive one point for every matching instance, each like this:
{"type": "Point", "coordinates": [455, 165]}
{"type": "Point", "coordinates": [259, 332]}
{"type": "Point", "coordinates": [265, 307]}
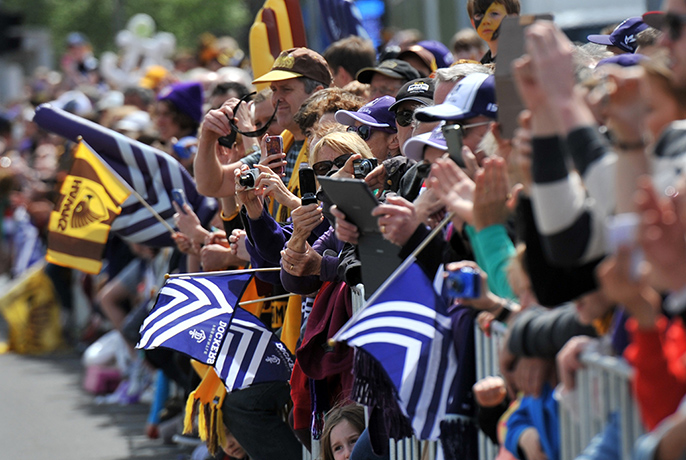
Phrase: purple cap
{"type": "Point", "coordinates": [444, 58]}
{"type": "Point", "coordinates": [625, 60]}
{"type": "Point", "coordinates": [374, 113]}
{"type": "Point", "coordinates": [414, 147]}
{"type": "Point", "coordinates": [187, 97]}
{"type": "Point", "coordinates": [474, 95]}
{"type": "Point", "coordinates": [624, 35]}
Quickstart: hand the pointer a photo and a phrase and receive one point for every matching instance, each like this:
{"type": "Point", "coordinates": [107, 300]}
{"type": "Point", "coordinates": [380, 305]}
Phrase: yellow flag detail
{"type": "Point", "coordinates": [90, 199]}
{"type": "Point", "coordinates": [32, 313]}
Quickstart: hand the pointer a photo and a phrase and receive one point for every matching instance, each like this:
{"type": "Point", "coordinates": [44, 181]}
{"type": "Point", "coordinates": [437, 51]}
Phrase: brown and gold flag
{"type": "Point", "coordinates": [90, 200]}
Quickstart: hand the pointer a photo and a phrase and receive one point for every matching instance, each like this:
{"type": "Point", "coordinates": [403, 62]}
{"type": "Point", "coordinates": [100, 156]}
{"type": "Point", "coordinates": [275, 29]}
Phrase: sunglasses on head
{"type": "Point", "coordinates": [321, 168]}
{"type": "Point", "coordinates": [365, 131]}
{"type": "Point", "coordinates": [404, 118]}
{"type": "Point", "coordinates": [673, 24]}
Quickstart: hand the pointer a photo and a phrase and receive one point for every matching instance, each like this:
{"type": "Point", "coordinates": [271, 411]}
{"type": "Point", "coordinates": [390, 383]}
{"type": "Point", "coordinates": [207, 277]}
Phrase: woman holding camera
{"type": "Point", "coordinates": [305, 267]}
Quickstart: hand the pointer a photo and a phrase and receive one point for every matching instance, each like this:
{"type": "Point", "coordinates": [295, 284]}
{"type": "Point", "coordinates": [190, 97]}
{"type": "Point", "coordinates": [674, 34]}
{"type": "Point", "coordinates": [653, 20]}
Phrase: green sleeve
{"type": "Point", "coordinates": [493, 250]}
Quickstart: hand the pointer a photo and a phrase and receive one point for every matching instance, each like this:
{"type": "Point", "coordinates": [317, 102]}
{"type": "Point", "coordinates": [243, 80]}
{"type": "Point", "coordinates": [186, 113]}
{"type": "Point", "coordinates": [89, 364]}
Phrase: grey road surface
{"type": "Point", "coordinates": [44, 414]}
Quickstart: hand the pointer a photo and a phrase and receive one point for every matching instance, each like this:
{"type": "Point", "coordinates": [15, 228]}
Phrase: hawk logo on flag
{"type": "Point", "coordinates": [198, 316]}
{"type": "Point", "coordinates": [90, 200]}
{"type": "Point", "coordinates": [84, 212]}
{"type": "Point", "coordinates": [408, 332]}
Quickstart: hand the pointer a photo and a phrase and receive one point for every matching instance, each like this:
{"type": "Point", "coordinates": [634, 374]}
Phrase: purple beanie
{"type": "Point", "coordinates": [187, 97]}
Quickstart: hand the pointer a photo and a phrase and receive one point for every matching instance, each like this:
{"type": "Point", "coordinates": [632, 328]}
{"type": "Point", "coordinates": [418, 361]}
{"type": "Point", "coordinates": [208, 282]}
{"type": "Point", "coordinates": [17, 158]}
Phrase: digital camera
{"type": "Point", "coordinates": [364, 166]}
{"type": "Point", "coordinates": [249, 178]}
{"type": "Point", "coordinates": [464, 283]}
{"type": "Point", "coordinates": [308, 186]}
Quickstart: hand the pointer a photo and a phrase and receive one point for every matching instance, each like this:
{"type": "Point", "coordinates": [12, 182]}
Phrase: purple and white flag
{"type": "Point", "coordinates": [199, 316]}
{"type": "Point", "coordinates": [149, 171]}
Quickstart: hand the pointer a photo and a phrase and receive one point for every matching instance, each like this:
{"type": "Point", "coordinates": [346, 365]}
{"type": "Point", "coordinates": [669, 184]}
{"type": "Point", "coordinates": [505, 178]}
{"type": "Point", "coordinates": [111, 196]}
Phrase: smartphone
{"type": "Point", "coordinates": [308, 186]}
{"type": "Point", "coordinates": [275, 146]}
{"type": "Point", "coordinates": [180, 198]}
{"type": "Point", "coordinates": [621, 230]}
{"type": "Point", "coordinates": [453, 139]}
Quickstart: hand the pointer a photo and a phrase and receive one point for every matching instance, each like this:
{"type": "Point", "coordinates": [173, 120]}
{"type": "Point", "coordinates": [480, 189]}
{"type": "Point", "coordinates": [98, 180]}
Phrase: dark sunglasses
{"type": "Point", "coordinates": [321, 168]}
{"type": "Point", "coordinates": [404, 117]}
{"type": "Point", "coordinates": [230, 140]}
{"type": "Point", "coordinates": [673, 24]}
{"type": "Point", "coordinates": [365, 131]}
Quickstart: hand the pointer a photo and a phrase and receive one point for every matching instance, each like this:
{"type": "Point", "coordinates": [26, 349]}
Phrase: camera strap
{"type": "Point", "coordinates": [229, 140]}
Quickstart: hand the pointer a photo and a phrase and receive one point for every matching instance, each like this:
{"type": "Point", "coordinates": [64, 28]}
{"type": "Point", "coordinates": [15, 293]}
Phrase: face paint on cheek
{"type": "Point", "coordinates": [489, 26]}
{"type": "Point", "coordinates": [476, 23]}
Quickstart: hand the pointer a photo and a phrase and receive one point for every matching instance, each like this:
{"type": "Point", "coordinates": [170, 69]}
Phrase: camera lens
{"type": "Point", "coordinates": [247, 180]}
{"type": "Point", "coordinates": [455, 284]}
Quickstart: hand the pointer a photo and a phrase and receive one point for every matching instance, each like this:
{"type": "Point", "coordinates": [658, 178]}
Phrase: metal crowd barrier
{"type": "Point", "coordinates": [487, 351]}
{"type": "Point", "coordinates": [603, 388]}
{"type": "Point", "coordinates": [412, 449]}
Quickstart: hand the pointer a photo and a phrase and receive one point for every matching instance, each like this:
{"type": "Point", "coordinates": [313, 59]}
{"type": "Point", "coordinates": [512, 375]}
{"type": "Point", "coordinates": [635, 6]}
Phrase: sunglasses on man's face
{"type": "Point", "coordinates": [465, 128]}
{"type": "Point", "coordinates": [321, 168]}
{"type": "Point", "coordinates": [365, 131]}
{"type": "Point", "coordinates": [404, 118]}
{"type": "Point", "coordinates": [673, 24]}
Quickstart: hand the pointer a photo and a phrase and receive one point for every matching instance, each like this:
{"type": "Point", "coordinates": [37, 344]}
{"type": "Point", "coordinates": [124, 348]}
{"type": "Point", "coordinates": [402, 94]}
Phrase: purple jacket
{"type": "Point", "coordinates": [265, 240]}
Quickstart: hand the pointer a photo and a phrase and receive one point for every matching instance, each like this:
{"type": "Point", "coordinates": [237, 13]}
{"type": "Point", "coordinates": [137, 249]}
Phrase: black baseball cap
{"type": "Point", "coordinates": [394, 68]}
{"type": "Point", "coordinates": [420, 90]}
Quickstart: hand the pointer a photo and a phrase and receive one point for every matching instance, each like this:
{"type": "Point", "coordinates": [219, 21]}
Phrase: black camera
{"type": "Point", "coordinates": [249, 178]}
{"type": "Point", "coordinates": [364, 166]}
{"type": "Point", "coordinates": [308, 186]}
{"type": "Point", "coordinates": [464, 283]}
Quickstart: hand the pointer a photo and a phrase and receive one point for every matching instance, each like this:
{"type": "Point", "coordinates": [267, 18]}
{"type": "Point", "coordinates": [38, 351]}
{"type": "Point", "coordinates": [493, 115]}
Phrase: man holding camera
{"type": "Point", "coordinates": [296, 74]}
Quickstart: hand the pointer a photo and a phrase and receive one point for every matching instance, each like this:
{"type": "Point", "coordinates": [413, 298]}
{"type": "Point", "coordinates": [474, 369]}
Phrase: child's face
{"type": "Point", "coordinates": [487, 24]}
{"type": "Point", "coordinates": [232, 448]}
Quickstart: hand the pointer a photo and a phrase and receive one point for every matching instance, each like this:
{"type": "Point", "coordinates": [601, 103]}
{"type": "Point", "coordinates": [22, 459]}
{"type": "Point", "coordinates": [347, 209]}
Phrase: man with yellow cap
{"type": "Point", "coordinates": [296, 74]}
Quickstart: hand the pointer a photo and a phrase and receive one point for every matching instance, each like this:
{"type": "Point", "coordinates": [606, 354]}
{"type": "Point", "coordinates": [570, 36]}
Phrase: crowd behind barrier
{"type": "Point", "coordinates": [466, 296]}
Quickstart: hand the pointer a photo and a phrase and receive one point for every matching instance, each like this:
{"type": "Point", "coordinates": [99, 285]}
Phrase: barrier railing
{"type": "Point", "coordinates": [412, 449]}
{"type": "Point", "coordinates": [487, 350]}
{"type": "Point", "coordinates": [603, 388]}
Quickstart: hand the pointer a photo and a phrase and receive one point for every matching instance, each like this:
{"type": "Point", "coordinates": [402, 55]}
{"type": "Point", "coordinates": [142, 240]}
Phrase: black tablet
{"type": "Point", "coordinates": [354, 198]}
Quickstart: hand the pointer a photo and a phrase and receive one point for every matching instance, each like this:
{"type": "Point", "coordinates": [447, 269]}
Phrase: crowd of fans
{"type": "Point", "coordinates": [575, 227]}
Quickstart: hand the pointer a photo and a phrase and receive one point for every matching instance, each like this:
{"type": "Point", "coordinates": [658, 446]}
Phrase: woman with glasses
{"type": "Point", "coordinates": [305, 267]}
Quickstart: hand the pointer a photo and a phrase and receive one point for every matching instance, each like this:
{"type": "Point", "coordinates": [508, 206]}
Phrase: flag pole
{"type": "Point", "coordinates": [137, 195]}
{"type": "Point", "coordinates": [265, 299]}
{"type": "Point", "coordinates": [154, 213]}
{"type": "Point", "coordinates": [224, 272]}
{"type": "Point", "coordinates": [396, 273]}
